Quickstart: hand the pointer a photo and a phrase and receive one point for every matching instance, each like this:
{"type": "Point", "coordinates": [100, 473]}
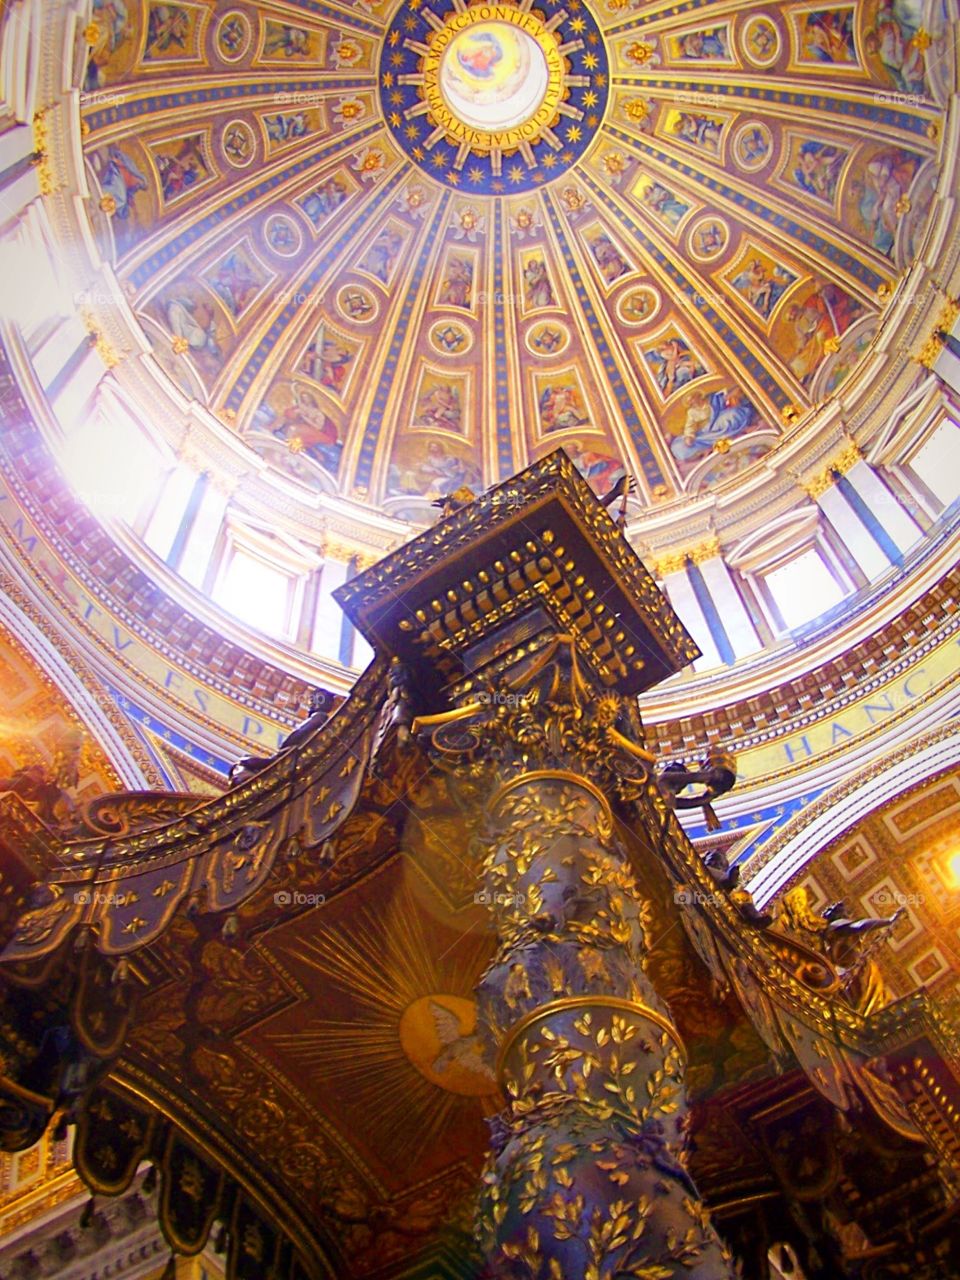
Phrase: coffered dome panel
{"type": "Point", "coordinates": [395, 248]}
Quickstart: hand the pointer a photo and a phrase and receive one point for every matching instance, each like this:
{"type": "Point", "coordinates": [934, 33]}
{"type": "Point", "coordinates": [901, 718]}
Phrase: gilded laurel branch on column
{"type": "Point", "coordinates": [587, 915]}
{"type": "Point", "coordinates": [585, 1178]}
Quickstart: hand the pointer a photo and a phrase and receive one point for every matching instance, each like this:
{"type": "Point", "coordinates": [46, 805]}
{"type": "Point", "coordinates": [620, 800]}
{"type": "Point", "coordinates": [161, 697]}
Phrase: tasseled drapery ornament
{"type": "Point", "coordinates": [170, 1270]}
{"type": "Point", "coordinates": [150, 1180]}
{"type": "Point", "coordinates": [86, 1218]}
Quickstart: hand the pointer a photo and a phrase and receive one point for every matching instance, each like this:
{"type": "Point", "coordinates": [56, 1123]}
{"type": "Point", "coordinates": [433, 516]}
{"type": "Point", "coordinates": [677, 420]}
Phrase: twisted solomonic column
{"type": "Point", "coordinates": [586, 1176]}
{"type": "Point", "coordinates": [585, 1179]}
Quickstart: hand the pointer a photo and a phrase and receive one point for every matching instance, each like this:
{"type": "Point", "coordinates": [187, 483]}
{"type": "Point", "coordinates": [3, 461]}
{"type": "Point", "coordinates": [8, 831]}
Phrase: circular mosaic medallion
{"type": "Point", "coordinates": [233, 36]}
{"type": "Point", "coordinates": [475, 99]}
{"type": "Point", "coordinates": [494, 76]}
{"type": "Point", "coordinates": [439, 1037]}
{"type": "Point", "coordinates": [239, 143]}
{"type": "Point", "coordinates": [708, 238]}
{"type": "Point", "coordinates": [638, 306]}
{"type": "Point", "coordinates": [450, 338]}
{"type": "Point", "coordinates": [357, 304]}
{"type": "Point", "coordinates": [283, 235]}
{"type": "Point", "coordinates": [752, 146]}
{"type": "Point", "coordinates": [548, 338]}
{"type": "Point", "coordinates": [761, 41]}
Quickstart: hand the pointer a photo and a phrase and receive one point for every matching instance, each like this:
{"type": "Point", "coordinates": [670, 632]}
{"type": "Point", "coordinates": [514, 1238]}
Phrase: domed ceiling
{"type": "Point", "coordinates": [396, 248]}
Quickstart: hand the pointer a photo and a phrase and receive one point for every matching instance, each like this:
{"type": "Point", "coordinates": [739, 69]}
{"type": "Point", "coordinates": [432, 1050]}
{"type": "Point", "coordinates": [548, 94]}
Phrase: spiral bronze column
{"type": "Point", "coordinates": [585, 1179]}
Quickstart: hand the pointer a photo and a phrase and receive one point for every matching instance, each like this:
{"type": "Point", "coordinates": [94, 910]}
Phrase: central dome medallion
{"type": "Point", "coordinates": [494, 76]}
{"type": "Point", "coordinates": [493, 97]}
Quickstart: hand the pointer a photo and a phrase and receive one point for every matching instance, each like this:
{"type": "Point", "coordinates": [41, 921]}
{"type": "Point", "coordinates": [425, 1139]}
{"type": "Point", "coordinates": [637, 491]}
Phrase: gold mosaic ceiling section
{"type": "Point", "coordinates": [905, 855]}
{"type": "Point", "coordinates": [714, 263]}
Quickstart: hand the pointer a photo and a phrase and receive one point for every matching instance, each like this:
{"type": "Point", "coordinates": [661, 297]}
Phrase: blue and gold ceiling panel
{"type": "Point", "coordinates": [112, 41]}
{"type": "Point", "coordinates": [293, 413]}
{"type": "Point", "coordinates": [670, 361]}
{"type": "Point", "coordinates": [290, 44]}
{"type": "Point", "coordinates": [173, 35]}
{"type": "Point", "coordinates": [239, 280]}
{"type": "Point", "coordinates": [811, 169]}
{"type": "Point", "coordinates": [538, 289]}
{"type": "Point", "coordinates": [325, 198]}
{"type": "Point", "coordinates": [383, 255]}
{"type": "Point", "coordinates": [456, 284]}
{"type": "Point", "coordinates": [330, 361]}
{"type": "Point", "coordinates": [283, 127]}
{"type": "Point", "coordinates": [611, 263]}
{"type": "Point", "coordinates": [824, 37]}
{"type": "Point", "coordinates": [705, 44]}
{"type": "Point", "coordinates": [559, 402]}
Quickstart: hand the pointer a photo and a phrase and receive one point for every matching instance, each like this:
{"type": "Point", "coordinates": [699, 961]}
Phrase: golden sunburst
{"type": "Point", "coordinates": [408, 1043]}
